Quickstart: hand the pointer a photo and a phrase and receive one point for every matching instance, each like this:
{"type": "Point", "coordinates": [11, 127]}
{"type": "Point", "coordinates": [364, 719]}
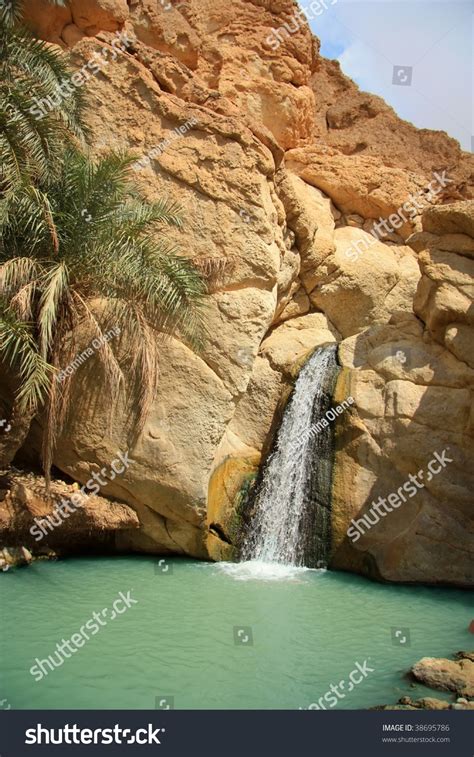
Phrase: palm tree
{"type": "Point", "coordinates": [31, 140]}
{"type": "Point", "coordinates": [81, 255]}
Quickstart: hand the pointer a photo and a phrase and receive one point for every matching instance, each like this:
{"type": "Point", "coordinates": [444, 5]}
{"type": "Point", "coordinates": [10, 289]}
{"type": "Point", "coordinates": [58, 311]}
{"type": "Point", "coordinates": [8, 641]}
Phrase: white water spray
{"type": "Point", "coordinates": [284, 505]}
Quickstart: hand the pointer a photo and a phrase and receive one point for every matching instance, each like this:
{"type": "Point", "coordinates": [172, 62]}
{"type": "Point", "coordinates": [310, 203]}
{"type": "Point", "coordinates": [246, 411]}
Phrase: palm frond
{"type": "Point", "coordinates": [214, 270]}
{"type": "Point", "coordinates": [11, 12]}
{"type": "Point", "coordinates": [19, 351]}
{"type": "Point", "coordinates": [54, 288]}
{"type": "Point", "coordinates": [39, 115]}
{"type": "Point", "coordinates": [83, 253]}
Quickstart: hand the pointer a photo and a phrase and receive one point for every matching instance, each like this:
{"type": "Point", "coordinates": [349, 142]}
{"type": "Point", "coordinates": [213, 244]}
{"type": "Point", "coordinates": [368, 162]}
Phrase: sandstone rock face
{"type": "Point", "coordinates": [361, 185]}
{"type": "Point", "coordinates": [380, 282]}
{"type": "Point", "coordinates": [446, 292]}
{"type": "Point", "coordinates": [281, 165]}
{"type": "Point", "coordinates": [294, 339]}
{"type": "Point", "coordinates": [358, 123]}
{"type": "Point", "coordinates": [412, 382]}
{"type": "Point", "coordinates": [413, 399]}
{"type": "Point", "coordinates": [310, 215]}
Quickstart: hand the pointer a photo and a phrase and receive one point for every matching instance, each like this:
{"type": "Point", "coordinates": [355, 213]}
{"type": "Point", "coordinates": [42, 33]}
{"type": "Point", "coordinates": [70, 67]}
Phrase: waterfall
{"type": "Point", "coordinates": [291, 516]}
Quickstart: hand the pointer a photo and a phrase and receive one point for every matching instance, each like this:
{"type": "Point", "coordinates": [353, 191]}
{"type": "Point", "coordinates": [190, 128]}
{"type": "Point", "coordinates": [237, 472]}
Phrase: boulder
{"type": "Point", "coordinates": [364, 281]}
{"type": "Point", "coordinates": [455, 218]}
{"type": "Point", "coordinates": [446, 675]}
{"type": "Point", "coordinates": [446, 289]}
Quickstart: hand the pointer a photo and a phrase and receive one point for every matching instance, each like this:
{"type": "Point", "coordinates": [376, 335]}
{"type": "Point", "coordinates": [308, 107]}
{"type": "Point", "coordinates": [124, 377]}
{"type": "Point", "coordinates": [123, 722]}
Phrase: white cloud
{"type": "Point", "coordinates": [435, 37]}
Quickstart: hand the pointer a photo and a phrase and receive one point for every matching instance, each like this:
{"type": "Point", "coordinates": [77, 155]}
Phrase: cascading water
{"type": "Point", "coordinates": [291, 511]}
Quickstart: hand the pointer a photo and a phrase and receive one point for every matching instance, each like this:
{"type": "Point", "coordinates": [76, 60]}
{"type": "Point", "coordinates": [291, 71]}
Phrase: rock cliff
{"type": "Point", "coordinates": [282, 166]}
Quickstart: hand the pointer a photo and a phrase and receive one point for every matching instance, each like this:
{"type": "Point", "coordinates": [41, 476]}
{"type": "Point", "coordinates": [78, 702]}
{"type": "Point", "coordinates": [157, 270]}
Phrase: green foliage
{"type": "Point", "coordinates": [88, 252]}
{"type": "Point", "coordinates": [81, 252]}
{"type": "Point", "coordinates": [31, 147]}
{"type": "Point", "coordinates": [18, 347]}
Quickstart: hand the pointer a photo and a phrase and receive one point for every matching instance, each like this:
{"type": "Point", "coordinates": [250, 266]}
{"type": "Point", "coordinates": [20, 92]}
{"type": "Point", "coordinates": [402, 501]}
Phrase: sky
{"type": "Point", "coordinates": [433, 38]}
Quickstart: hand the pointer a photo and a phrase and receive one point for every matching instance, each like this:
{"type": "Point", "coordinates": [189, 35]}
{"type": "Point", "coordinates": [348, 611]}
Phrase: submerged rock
{"type": "Point", "coordinates": [447, 675]}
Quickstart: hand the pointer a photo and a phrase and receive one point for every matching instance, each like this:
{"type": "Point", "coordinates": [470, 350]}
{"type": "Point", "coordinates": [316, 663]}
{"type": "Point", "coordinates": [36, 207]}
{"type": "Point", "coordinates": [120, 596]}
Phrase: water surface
{"type": "Point", "coordinates": [300, 631]}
